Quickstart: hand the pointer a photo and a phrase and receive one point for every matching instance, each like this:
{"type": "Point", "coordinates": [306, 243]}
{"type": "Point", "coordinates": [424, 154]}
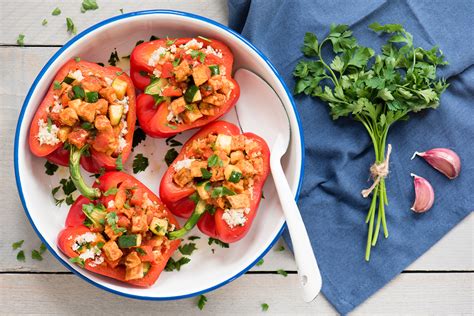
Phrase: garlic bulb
{"type": "Point", "coordinates": [444, 160]}
{"type": "Point", "coordinates": [424, 194]}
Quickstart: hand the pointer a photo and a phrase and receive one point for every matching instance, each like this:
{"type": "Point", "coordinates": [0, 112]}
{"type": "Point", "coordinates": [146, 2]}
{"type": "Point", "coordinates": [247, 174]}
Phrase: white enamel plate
{"type": "Point", "coordinates": [207, 270]}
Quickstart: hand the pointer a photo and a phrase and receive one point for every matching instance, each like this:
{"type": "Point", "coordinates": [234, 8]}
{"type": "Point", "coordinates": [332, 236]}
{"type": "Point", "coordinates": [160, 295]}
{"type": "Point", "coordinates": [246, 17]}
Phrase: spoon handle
{"type": "Point", "coordinates": [309, 275]}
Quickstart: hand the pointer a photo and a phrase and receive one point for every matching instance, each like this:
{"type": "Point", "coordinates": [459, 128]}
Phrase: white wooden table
{"type": "Point", "coordinates": [439, 282]}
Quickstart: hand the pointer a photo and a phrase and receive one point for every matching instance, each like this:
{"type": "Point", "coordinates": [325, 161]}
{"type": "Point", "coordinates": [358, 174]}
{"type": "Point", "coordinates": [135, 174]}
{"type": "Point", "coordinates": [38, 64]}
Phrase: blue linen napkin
{"type": "Point", "coordinates": [339, 153]}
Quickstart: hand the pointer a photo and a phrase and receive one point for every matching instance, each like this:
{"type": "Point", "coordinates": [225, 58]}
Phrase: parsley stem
{"type": "Point", "coordinates": [334, 80]}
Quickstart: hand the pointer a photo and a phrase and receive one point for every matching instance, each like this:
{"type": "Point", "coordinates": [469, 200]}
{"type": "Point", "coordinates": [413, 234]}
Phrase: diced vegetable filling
{"type": "Point", "coordinates": [87, 109]}
{"type": "Point", "coordinates": [222, 169]}
{"type": "Point", "coordinates": [183, 79]}
{"type": "Point", "coordinates": [130, 231]}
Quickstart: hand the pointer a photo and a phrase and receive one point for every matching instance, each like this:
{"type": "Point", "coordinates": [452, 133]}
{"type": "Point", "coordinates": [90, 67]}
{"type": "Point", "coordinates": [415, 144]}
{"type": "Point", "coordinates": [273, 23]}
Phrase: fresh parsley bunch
{"type": "Point", "coordinates": [376, 90]}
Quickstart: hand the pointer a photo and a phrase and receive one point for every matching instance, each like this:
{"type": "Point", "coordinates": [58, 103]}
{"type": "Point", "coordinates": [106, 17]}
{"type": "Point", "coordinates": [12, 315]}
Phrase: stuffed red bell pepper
{"type": "Point", "coordinates": [216, 181]}
{"type": "Point", "coordinates": [88, 117]}
{"type": "Point", "coordinates": [187, 83]}
{"type": "Point", "coordinates": [122, 235]}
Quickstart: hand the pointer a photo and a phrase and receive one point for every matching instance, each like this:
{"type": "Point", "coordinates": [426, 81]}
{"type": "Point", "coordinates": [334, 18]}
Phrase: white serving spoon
{"type": "Point", "coordinates": [274, 126]}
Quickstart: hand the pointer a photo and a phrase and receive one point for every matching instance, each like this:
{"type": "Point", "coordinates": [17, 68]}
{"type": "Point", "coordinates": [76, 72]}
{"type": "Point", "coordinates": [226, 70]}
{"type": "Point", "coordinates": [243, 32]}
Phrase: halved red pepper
{"type": "Point", "coordinates": [75, 227]}
{"type": "Point", "coordinates": [178, 199]}
{"type": "Point", "coordinates": [153, 117]}
{"type": "Point", "coordinates": [96, 160]}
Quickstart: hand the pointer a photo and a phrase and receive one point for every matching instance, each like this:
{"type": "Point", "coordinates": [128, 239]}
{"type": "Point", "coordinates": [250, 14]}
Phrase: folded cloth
{"type": "Point", "coordinates": [339, 153]}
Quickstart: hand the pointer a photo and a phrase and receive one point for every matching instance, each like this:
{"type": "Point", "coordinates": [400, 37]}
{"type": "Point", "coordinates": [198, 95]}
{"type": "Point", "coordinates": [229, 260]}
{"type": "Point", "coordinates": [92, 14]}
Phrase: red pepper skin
{"type": "Point", "coordinates": [152, 118]}
{"type": "Point", "coordinates": [178, 201]}
{"type": "Point", "coordinates": [74, 227]}
{"type": "Point", "coordinates": [56, 153]}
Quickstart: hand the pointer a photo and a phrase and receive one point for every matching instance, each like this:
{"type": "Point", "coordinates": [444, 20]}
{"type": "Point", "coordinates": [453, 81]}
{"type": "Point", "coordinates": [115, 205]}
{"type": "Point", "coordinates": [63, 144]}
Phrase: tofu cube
{"type": "Point", "coordinates": [112, 250]}
{"type": "Point", "coordinates": [246, 167]}
{"type": "Point", "coordinates": [239, 200]}
{"type": "Point", "coordinates": [236, 156]}
{"type": "Point", "coordinates": [139, 224]}
{"type": "Point", "coordinates": [178, 106]}
{"type": "Point", "coordinates": [120, 86]}
{"type": "Point", "coordinates": [224, 143]}
{"type": "Point", "coordinates": [68, 117]}
{"type": "Point", "coordinates": [132, 260]}
{"type": "Point", "coordinates": [201, 74]}
{"type": "Point", "coordinates": [238, 142]}
{"type": "Point", "coordinates": [192, 115]}
{"type": "Point", "coordinates": [196, 167]}
{"type": "Point", "coordinates": [202, 190]}
{"type": "Point", "coordinates": [182, 177]}
{"type": "Point", "coordinates": [134, 273]}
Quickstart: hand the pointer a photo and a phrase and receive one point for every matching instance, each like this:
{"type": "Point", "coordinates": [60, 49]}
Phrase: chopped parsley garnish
{"type": "Point", "coordinates": [69, 200]}
{"type": "Point", "coordinates": [121, 11]}
{"type": "Point", "coordinates": [118, 163]}
{"type": "Point", "coordinates": [193, 238]}
{"type": "Point", "coordinates": [260, 262]}
{"type": "Point", "coordinates": [170, 42]}
{"type": "Point", "coordinates": [235, 176]}
{"type": "Point", "coordinates": [143, 73]}
{"type": "Point", "coordinates": [17, 244]}
{"type": "Point", "coordinates": [88, 5]}
{"type": "Point", "coordinates": [170, 141]}
{"type": "Point", "coordinates": [79, 92]}
{"type": "Point", "coordinates": [92, 96]}
{"type": "Point", "coordinates": [56, 85]}
{"type": "Point", "coordinates": [196, 53]}
{"type": "Point", "coordinates": [100, 64]}
{"type": "Point", "coordinates": [51, 168]}
{"type": "Point", "coordinates": [67, 186]}
{"type": "Point", "coordinates": [221, 191]}
{"type": "Point", "coordinates": [21, 40]}
{"type": "Point", "coordinates": [282, 272]}
{"type": "Point", "coordinates": [153, 37]}
{"type": "Point", "coordinates": [263, 196]}
{"type": "Point", "coordinates": [42, 248]}
{"type": "Point", "coordinates": [213, 161]}
{"type": "Point", "coordinates": [71, 28]}
{"type": "Point", "coordinates": [201, 301]}
{"type": "Point", "coordinates": [172, 264]}
{"type": "Point", "coordinates": [78, 261]}
{"type": "Point", "coordinates": [57, 201]}
{"type": "Point", "coordinates": [170, 125]}
{"type": "Point", "coordinates": [206, 174]}
{"type": "Point", "coordinates": [44, 22]}
{"type": "Point", "coordinates": [56, 11]}
{"type": "Point", "coordinates": [77, 59]}
{"type": "Point", "coordinates": [176, 62]}
{"type": "Point", "coordinates": [140, 251]}
{"type": "Point", "coordinates": [264, 307]}
{"type": "Point", "coordinates": [140, 163]}
{"type": "Point", "coordinates": [194, 197]}
{"type": "Point", "coordinates": [211, 209]}
{"type": "Point", "coordinates": [20, 256]}
{"type": "Point", "coordinates": [170, 156]}
{"type": "Point", "coordinates": [36, 255]}
{"type": "Point", "coordinates": [139, 42]}
{"type": "Point", "coordinates": [114, 58]}
{"type": "Point", "coordinates": [217, 242]}
{"type": "Point", "coordinates": [138, 137]}
{"type": "Point", "coordinates": [112, 219]}
{"type": "Point", "coordinates": [119, 73]}
{"type": "Point", "coordinates": [111, 191]}
{"type": "Point", "coordinates": [87, 126]}
{"type": "Point", "coordinates": [187, 249]}
{"type": "Point", "coordinates": [281, 248]}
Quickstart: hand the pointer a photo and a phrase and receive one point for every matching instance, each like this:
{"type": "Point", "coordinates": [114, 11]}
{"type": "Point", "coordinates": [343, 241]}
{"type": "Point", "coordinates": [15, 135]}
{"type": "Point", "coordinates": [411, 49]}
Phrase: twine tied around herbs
{"type": "Point", "coordinates": [378, 171]}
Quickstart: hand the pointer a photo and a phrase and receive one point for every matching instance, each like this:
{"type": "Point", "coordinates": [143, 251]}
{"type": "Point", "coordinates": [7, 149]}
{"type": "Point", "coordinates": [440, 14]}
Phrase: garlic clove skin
{"type": "Point", "coordinates": [444, 160]}
{"type": "Point", "coordinates": [424, 194]}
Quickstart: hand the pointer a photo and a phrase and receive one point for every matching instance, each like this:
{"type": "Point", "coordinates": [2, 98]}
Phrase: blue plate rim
{"type": "Point", "coordinates": [72, 41]}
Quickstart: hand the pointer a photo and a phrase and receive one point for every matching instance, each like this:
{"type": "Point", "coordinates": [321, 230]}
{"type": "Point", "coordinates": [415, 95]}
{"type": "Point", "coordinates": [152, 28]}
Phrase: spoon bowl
{"type": "Point", "coordinates": [264, 102]}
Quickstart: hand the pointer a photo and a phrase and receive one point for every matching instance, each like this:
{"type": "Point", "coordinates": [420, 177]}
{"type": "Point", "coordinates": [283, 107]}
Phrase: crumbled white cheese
{"type": "Point", "coordinates": [235, 217]}
{"type": "Point", "coordinates": [124, 103]}
{"type": "Point", "coordinates": [185, 163]}
{"type": "Point", "coordinates": [57, 106]}
{"type": "Point", "coordinates": [156, 55]}
{"type": "Point", "coordinates": [99, 260]}
{"type": "Point", "coordinates": [173, 118]}
{"type": "Point", "coordinates": [76, 75]}
{"type": "Point", "coordinates": [88, 254]}
{"type": "Point", "coordinates": [211, 51]}
{"type": "Point", "coordinates": [47, 135]}
{"type": "Point", "coordinates": [83, 239]}
{"type": "Point", "coordinates": [157, 73]}
{"type": "Point", "coordinates": [146, 201]}
{"type": "Point", "coordinates": [122, 142]}
{"type": "Point", "coordinates": [108, 81]}
{"type": "Point", "coordinates": [111, 204]}
{"type": "Point", "coordinates": [172, 48]}
{"type": "Point", "coordinates": [172, 227]}
{"type": "Point", "coordinates": [192, 44]}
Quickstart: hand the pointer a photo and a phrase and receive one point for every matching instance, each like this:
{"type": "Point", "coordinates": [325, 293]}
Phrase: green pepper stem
{"type": "Point", "coordinates": [76, 176]}
{"type": "Point", "coordinates": [199, 210]}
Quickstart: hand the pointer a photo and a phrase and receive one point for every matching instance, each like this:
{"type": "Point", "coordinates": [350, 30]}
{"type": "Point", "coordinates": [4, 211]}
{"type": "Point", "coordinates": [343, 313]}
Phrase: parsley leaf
{"type": "Point", "coordinates": [36, 255]}
{"type": "Point", "coordinates": [20, 256]}
{"type": "Point", "coordinates": [281, 248]}
{"type": "Point", "coordinates": [89, 5]}
{"type": "Point", "coordinates": [187, 249]}
{"type": "Point", "coordinates": [264, 307]}
{"type": "Point", "coordinates": [78, 261]}
{"type": "Point", "coordinates": [217, 242]}
{"type": "Point", "coordinates": [201, 301]}
{"type": "Point", "coordinates": [114, 58]}
{"type": "Point", "coordinates": [118, 163]}
{"type": "Point", "coordinates": [67, 186]}
{"type": "Point", "coordinates": [140, 251]}
{"type": "Point", "coordinates": [170, 156]}
{"type": "Point", "coordinates": [44, 22]}
{"type": "Point", "coordinates": [42, 248]}
{"type": "Point", "coordinates": [172, 264]}
{"type": "Point", "coordinates": [138, 137]}
{"type": "Point", "coordinates": [193, 238]}
{"type": "Point", "coordinates": [71, 28]}
{"type": "Point", "coordinates": [21, 40]}
{"type": "Point", "coordinates": [50, 168]}
{"type": "Point", "coordinates": [282, 272]}
{"type": "Point", "coordinates": [56, 11]}
{"type": "Point", "coordinates": [111, 191]}
{"type": "Point", "coordinates": [17, 244]}
{"type": "Point", "coordinates": [259, 263]}
{"type": "Point", "coordinates": [140, 163]}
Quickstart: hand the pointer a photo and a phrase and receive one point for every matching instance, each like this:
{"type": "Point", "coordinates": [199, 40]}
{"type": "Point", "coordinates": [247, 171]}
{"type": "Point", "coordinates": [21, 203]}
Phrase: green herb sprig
{"type": "Point", "coordinates": [374, 89]}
